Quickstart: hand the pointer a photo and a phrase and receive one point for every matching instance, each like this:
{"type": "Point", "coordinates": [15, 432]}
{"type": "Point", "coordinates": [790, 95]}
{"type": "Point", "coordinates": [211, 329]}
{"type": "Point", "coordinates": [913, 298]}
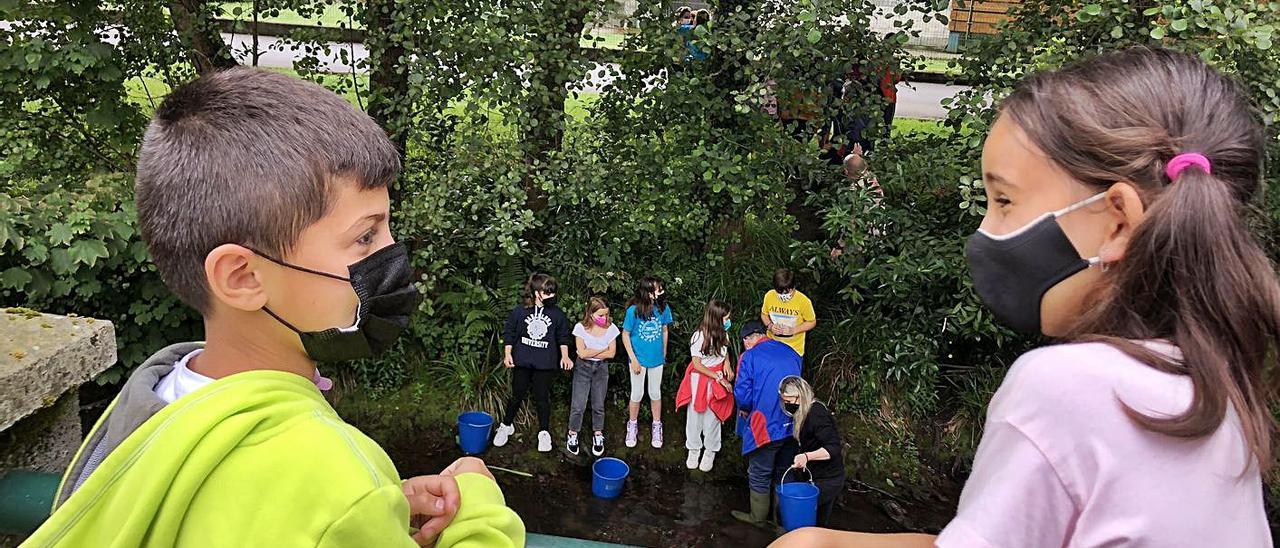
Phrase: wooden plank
{"type": "Point", "coordinates": [983, 7]}
{"type": "Point", "coordinates": [972, 28]}
{"type": "Point", "coordinates": [961, 17]}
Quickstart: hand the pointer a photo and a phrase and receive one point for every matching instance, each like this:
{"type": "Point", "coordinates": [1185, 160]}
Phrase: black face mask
{"type": "Point", "coordinates": [549, 301]}
{"type": "Point", "coordinates": [383, 282]}
{"type": "Point", "coordinates": [791, 408]}
{"type": "Point", "coordinates": [660, 301]}
{"type": "Point", "coordinates": [1011, 273]}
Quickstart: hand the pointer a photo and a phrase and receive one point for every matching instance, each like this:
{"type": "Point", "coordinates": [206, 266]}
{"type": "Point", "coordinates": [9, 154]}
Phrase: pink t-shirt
{"type": "Point", "coordinates": [1060, 464]}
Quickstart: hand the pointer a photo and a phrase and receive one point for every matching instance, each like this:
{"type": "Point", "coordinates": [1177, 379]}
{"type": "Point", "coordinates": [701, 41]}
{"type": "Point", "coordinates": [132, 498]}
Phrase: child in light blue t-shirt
{"type": "Point", "coordinates": [644, 334]}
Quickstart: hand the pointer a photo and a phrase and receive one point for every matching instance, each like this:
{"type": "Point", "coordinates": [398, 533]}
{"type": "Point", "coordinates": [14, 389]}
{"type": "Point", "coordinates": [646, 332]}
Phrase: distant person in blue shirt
{"type": "Point", "coordinates": [700, 19]}
{"type": "Point", "coordinates": [644, 334]}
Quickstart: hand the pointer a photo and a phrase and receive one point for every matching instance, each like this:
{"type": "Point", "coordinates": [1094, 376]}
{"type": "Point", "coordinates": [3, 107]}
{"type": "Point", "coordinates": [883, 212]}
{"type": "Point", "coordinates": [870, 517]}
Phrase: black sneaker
{"type": "Point", "coordinates": [572, 444]}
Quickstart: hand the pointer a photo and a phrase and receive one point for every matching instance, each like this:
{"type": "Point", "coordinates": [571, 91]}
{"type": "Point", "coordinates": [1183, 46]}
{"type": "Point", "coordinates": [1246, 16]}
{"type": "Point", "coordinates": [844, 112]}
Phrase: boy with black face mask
{"type": "Point", "coordinates": [263, 202]}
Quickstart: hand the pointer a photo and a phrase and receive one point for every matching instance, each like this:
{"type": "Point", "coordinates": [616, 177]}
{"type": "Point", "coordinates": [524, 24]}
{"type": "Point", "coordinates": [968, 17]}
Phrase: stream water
{"type": "Point", "coordinates": [659, 506]}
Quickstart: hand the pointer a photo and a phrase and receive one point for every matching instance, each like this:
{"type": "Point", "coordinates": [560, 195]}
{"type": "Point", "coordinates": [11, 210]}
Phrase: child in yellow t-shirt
{"type": "Point", "coordinates": [787, 312]}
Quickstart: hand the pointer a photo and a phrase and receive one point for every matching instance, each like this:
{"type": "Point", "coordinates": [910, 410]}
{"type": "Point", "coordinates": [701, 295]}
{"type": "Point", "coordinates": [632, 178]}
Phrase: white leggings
{"type": "Point", "coordinates": [638, 383]}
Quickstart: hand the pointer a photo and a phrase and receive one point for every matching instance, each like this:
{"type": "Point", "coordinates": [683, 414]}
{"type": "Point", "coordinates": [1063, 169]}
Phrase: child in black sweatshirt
{"type": "Point", "coordinates": [537, 339]}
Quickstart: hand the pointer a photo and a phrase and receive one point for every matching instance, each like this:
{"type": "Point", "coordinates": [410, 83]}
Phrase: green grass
{"type": "Point", "coordinates": [915, 125]}
{"type": "Point", "coordinates": [148, 91]}
{"type": "Point", "coordinates": [603, 39]}
{"type": "Point", "coordinates": [934, 65]}
{"type": "Point", "coordinates": [332, 16]}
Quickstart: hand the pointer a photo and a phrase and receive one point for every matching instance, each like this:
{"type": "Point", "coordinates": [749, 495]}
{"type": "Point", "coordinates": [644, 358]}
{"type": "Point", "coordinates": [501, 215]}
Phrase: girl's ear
{"type": "Point", "coordinates": [1126, 211]}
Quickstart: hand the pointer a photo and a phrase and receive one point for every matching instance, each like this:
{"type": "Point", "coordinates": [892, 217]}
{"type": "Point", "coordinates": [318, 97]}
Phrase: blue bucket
{"type": "Point", "coordinates": [798, 503]}
{"type": "Point", "coordinates": [607, 476]}
{"type": "Point", "coordinates": [473, 431]}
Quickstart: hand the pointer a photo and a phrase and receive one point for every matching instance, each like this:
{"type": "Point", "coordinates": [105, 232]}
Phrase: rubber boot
{"type": "Point", "coordinates": [759, 510]}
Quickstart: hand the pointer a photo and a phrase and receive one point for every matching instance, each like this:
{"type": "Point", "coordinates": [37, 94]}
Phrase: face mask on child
{"type": "Point", "coordinates": [728, 324]}
{"type": "Point", "coordinates": [1012, 272]}
{"type": "Point", "coordinates": [602, 321]}
{"type": "Point", "coordinates": [383, 282]}
{"type": "Point", "coordinates": [791, 408]}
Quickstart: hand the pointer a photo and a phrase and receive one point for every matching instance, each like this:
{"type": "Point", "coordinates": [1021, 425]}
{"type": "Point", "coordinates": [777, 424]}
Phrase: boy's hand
{"type": "Point", "coordinates": [433, 501]}
{"type": "Point", "coordinates": [508, 362]}
{"type": "Point", "coordinates": [566, 364]}
{"type": "Point", "coordinates": [466, 465]}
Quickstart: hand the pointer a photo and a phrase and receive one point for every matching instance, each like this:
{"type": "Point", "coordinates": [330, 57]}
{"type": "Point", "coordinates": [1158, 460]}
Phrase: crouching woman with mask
{"type": "Point", "coordinates": [820, 446]}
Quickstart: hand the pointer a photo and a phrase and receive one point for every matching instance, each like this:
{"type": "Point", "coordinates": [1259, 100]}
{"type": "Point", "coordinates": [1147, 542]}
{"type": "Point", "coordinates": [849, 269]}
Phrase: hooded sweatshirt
{"type": "Point", "coordinates": [760, 373]}
{"type": "Point", "coordinates": [253, 459]}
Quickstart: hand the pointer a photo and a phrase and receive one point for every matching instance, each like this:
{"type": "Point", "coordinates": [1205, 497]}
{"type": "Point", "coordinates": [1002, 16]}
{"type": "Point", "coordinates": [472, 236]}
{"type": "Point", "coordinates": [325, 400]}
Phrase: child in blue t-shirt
{"type": "Point", "coordinates": [644, 333]}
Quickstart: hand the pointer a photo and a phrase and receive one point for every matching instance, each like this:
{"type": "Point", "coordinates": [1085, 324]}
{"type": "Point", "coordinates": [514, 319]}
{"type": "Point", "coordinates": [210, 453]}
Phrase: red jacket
{"type": "Point", "coordinates": [710, 393]}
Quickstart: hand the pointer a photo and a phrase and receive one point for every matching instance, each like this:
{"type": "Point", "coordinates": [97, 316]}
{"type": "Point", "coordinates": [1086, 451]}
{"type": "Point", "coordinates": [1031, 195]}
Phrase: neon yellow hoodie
{"type": "Point", "coordinates": [253, 459]}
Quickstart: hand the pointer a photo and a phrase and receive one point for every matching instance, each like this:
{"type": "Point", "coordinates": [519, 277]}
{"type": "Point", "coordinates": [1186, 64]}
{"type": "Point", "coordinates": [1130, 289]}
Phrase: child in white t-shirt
{"type": "Point", "coordinates": [596, 338]}
{"type": "Point", "coordinates": [706, 387]}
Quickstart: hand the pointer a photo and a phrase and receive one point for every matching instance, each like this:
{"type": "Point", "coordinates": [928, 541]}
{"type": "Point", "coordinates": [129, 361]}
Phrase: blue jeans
{"type": "Point", "coordinates": [766, 464]}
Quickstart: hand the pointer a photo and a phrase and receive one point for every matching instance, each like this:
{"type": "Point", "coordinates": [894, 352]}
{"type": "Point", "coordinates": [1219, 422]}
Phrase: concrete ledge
{"type": "Point", "coordinates": [43, 357]}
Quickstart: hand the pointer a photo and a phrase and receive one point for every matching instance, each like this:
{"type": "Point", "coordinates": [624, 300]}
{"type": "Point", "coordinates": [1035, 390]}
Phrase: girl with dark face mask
{"type": "Point", "coordinates": [1115, 191]}
{"type": "Point", "coordinates": [821, 451]}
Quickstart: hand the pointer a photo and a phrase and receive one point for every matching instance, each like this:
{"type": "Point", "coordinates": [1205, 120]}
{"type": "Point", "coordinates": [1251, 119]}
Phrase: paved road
{"type": "Point", "coordinates": [915, 100]}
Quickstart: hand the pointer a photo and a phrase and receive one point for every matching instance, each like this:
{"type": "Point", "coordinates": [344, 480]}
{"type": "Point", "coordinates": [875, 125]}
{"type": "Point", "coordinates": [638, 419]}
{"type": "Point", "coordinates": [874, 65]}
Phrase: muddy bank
{"type": "Point", "coordinates": [663, 503]}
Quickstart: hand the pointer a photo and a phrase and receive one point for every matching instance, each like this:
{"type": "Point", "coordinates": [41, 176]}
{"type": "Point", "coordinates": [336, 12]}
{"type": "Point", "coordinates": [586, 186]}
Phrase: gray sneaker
{"type": "Point", "coordinates": [657, 435]}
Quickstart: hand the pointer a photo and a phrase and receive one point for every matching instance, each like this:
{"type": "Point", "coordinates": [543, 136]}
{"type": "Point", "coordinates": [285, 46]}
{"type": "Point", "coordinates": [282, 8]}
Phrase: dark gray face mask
{"type": "Point", "coordinates": [383, 282]}
{"type": "Point", "coordinates": [1012, 272]}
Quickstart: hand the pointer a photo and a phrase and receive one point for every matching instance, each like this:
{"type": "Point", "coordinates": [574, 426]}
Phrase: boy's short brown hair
{"type": "Point", "coordinates": [251, 157]}
{"type": "Point", "coordinates": [783, 280]}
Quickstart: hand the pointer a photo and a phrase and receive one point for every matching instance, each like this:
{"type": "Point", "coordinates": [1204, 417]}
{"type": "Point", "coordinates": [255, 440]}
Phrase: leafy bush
{"type": "Point", "coordinates": [74, 248]}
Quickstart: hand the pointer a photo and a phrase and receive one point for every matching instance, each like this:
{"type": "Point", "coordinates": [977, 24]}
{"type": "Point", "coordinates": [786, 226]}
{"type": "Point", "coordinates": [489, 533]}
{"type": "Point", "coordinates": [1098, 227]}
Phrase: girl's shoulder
{"type": "Point", "coordinates": [579, 330]}
{"type": "Point", "coordinates": [1064, 379]}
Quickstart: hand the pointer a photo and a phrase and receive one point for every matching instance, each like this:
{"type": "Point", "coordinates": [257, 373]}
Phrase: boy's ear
{"type": "Point", "coordinates": [1126, 210]}
{"type": "Point", "coordinates": [233, 280]}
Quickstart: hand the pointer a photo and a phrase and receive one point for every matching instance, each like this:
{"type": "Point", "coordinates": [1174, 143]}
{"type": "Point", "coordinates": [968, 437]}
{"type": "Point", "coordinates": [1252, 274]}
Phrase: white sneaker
{"type": "Point", "coordinates": [632, 433]}
{"type": "Point", "coordinates": [692, 462]}
{"type": "Point", "coordinates": [708, 459]}
{"type": "Point", "coordinates": [597, 444]}
{"type": "Point", "coordinates": [657, 435]}
{"type": "Point", "coordinates": [544, 441]}
{"type": "Point", "coordinates": [504, 433]}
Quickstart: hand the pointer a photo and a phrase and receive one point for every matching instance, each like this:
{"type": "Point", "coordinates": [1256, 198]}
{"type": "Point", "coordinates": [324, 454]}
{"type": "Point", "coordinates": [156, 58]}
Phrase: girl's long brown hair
{"type": "Point", "coordinates": [1192, 273]}
{"type": "Point", "coordinates": [714, 338]}
{"type": "Point", "coordinates": [594, 304]}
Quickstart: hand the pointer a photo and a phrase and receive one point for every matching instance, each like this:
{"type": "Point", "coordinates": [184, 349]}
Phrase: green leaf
{"type": "Point", "coordinates": [60, 234]}
{"type": "Point", "coordinates": [60, 261]}
{"type": "Point", "coordinates": [1093, 9]}
{"type": "Point", "coordinates": [15, 278]}
{"type": "Point", "coordinates": [1178, 25]}
{"type": "Point", "coordinates": [88, 252]}
{"type": "Point", "coordinates": [1158, 33]}
{"type": "Point", "coordinates": [806, 16]}
{"type": "Point", "coordinates": [814, 36]}
{"type": "Point", "coordinates": [1117, 32]}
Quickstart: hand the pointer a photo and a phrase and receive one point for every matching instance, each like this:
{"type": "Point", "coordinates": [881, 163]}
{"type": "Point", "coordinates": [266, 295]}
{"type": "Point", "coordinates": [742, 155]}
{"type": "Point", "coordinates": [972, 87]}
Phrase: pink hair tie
{"type": "Point", "coordinates": [1182, 161]}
